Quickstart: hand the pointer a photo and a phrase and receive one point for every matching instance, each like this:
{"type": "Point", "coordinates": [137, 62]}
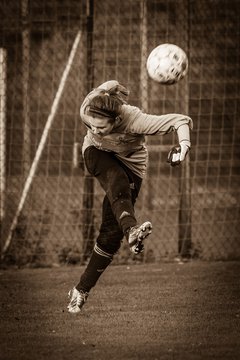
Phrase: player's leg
{"type": "Point", "coordinates": [107, 244]}
{"type": "Point", "coordinates": [115, 182]}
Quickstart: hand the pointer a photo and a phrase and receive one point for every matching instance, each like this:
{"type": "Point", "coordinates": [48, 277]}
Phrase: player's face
{"type": "Point", "coordinates": [101, 126]}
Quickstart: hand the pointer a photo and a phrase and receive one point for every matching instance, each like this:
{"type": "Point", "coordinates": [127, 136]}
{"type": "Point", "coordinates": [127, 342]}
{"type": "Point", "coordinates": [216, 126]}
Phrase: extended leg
{"type": "Point", "coordinates": [108, 243]}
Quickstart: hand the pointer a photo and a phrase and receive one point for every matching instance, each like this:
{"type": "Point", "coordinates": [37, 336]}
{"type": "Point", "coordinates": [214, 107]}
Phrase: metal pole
{"type": "Point", "coordinates": [25, 88]}
{"type": "Point", "coordinates": [144, 52]}
{"type": "Point", "coordinates": [3, 85]}
{"type": "Point", "coordinates": [185, 212]}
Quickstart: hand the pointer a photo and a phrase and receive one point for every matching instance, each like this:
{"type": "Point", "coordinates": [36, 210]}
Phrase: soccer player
{"type": "Point", "coordinates": [115, 154]}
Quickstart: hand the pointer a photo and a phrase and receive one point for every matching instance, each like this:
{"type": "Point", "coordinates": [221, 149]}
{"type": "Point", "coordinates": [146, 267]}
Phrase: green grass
{"type": "Point", "coordinates": [161, 311]}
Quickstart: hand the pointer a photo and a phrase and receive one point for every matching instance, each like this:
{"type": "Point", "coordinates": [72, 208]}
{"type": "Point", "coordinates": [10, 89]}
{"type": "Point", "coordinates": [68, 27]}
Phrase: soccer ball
{"type": "Point", "coordinates": [167, 64]}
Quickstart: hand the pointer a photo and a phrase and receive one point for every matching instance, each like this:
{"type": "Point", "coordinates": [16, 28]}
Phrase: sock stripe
{"type": "Point", "coordinates": [102, 253]}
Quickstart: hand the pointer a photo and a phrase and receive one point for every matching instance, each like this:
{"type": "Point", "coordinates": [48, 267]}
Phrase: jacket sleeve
{"type": "Point", "coordinates": [138, 122]}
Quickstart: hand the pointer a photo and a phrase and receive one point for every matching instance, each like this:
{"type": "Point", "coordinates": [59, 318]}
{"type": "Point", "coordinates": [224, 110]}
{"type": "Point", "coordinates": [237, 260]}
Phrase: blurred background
{"type": "Point", "coordinates": [52, 53]}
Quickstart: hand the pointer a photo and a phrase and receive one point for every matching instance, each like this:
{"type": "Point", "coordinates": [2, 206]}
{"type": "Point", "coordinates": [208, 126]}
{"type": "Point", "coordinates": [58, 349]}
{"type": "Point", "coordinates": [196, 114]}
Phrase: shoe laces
{"type": "Point", "coordinates": [82, 297]}
{"type": "Point", "coordinates": [133, 233]}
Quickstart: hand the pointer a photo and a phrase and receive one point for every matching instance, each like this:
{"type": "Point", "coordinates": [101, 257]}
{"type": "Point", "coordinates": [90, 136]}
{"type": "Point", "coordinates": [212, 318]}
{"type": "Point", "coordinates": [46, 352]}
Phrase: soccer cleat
{"type": "Point", "coordinates": [136, 236]}
{"type": "Point", "coordinates": [77, 300]}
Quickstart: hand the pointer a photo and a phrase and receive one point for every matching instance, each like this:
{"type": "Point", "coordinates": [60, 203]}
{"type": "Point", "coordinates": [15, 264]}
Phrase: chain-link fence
{"type": "Point", "coordinates": [52, 53]}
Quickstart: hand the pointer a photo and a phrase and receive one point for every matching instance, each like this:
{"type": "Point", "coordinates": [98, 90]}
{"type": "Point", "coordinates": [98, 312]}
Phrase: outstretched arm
{"type": "Point", "coordinates": [141, 123]}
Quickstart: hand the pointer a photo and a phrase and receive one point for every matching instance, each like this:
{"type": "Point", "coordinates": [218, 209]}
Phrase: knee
{"type": "Point", "coordinates": [118, 187]}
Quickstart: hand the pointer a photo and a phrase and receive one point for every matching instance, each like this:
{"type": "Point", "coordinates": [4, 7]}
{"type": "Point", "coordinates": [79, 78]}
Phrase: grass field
{"type": "Point", "coordinates": [161, 311]}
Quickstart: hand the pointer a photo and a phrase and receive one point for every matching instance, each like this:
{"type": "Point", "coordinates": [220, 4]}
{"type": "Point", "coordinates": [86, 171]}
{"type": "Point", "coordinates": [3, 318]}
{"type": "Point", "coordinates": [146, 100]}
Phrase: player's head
{"type": "Point", "coordinates": [104, 106]}
{"type": "Point", "coordinates": [103, 111]}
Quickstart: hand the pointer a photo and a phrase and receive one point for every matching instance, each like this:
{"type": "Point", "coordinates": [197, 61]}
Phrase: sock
{"type": "Point", "coordinates": [126, 221]}
{"type": "Point", "coordinates": [98, 262]}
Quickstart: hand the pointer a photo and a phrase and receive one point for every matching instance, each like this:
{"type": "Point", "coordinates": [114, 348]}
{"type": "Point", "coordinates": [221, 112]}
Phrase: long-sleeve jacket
{"type": "Point", "coordinates": [127, 139]}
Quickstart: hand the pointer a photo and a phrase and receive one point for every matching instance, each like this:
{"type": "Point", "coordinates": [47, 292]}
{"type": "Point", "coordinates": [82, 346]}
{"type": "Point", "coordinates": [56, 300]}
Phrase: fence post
{"type": "Point", "coordinates": [185, 213]}
{"type": "Point", "coordinates": [25, 86]}
{"type": "Point", "coordinates": [3, 84]}
{"type": "Point", "coordinates": [88, 185]}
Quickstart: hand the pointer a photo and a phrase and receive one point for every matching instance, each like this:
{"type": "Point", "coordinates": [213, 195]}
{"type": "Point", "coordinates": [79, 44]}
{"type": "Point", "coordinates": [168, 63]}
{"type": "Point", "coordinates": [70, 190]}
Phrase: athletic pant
{"type": "Point", "coordinates": [121, 187]}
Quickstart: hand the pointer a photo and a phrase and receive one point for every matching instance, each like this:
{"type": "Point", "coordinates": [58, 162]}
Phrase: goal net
{"type": "Point", "coordinates": [52, 54]}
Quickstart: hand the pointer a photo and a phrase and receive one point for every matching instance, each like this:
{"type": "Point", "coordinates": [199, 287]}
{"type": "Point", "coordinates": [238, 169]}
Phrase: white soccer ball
{"type": "Point", "coordinates": [167, 64]}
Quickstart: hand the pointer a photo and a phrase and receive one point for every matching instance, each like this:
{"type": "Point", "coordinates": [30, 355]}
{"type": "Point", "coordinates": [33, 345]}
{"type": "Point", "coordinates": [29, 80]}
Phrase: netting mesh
{"type": "Point", "coordinates": [194, 207]}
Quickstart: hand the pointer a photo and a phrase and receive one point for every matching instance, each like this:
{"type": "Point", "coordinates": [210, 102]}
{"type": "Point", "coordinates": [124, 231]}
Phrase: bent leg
{"type": "Point", "coordinates": [115, 182]}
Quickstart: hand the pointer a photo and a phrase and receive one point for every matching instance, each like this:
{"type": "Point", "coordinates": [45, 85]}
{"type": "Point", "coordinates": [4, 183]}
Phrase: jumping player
{"type": "Point", "coordinates": [115, 154]}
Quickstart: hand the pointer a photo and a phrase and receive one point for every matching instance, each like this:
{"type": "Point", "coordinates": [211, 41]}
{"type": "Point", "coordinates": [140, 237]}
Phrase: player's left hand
{"type": "Point", "coordinates": [178, 153]}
